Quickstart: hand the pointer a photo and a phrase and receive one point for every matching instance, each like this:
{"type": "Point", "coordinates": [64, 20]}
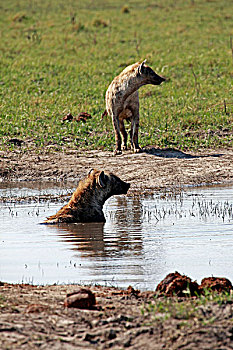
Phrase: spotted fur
{"type": "Point", "coordinates": [86, 203]}
{"type": "Point", "coordinates": [122, 101]}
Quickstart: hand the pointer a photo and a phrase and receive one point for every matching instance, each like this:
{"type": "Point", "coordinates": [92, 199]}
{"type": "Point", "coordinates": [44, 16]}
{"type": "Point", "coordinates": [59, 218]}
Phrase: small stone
{"type": "Point", "coordinates": [81, 299]}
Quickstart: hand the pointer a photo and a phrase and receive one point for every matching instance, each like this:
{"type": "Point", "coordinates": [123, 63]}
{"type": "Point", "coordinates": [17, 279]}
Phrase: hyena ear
{"type": "Point", "coordinates": [102, 179]}
{"type": "Point", "coordinates": [141, 66]}
{"type": "Point", "coordinates": [89, 173]}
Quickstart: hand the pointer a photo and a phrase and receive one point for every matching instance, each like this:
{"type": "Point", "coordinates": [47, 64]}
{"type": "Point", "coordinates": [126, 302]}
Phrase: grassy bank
{"type": "Point", "coordinates": [189, 309]}
{"type": "Point", "coordinates": [59, 57]}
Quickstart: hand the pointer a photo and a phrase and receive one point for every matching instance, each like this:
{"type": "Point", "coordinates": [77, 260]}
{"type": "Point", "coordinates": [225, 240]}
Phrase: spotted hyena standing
{"type": "Point", "coordinates": [122, 101]}
{"type": "Point", "coordinates": [86, 203]}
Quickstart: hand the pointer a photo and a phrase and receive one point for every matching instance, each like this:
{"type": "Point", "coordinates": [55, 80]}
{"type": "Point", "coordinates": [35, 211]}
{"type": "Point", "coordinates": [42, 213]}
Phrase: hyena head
{"type": "Point", "coordinates": [148, 75]}
{"type": "Point", "coordinates": [108, 183]}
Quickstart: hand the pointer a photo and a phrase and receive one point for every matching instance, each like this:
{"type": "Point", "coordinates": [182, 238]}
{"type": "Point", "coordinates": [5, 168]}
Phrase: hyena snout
{"type": "Point", "coordinates": [125, 187]}
{"type": "Point", "coordinates": [150, 76]}
{"type": "Point", "coordinates": [157, 79]}
{"type": "Point", "coordinates": [120, 187]}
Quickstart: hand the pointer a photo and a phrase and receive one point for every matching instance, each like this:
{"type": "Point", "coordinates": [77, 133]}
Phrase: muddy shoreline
{"type": "Point", "coordinates": [34, 317]}
{"type": "Point", "coordinates": [151, 170]}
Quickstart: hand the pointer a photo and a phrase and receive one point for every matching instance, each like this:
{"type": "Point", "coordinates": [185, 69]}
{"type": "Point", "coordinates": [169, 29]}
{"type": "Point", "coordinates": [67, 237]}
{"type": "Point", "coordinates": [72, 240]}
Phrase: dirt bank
{"type": "Point", "coordinates": [146, 171]}
{"type": "Point", "coordinates": [121, 320]}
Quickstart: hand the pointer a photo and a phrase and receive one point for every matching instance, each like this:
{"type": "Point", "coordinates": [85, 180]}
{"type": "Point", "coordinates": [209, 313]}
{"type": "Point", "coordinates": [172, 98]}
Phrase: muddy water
{"type": "Point", "coordinates": [143, 239]}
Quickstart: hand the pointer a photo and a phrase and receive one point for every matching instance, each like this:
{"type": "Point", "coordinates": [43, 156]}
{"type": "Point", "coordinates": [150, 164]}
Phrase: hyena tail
{"type": "Point", "coordinates": [104, 114]}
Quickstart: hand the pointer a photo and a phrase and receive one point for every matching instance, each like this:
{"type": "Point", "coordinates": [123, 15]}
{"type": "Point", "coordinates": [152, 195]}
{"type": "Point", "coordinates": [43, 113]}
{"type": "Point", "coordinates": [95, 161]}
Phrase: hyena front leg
{"type": "Point", "coordinates": [124, 134]}
{"type": "Point", "coordinates": [134, 132]}
{"type": "Point", "coordinates": [116, 126]}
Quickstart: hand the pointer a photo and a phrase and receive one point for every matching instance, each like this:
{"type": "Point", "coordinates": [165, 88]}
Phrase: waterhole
{"type": "Point", "coordinates": [143, 239]}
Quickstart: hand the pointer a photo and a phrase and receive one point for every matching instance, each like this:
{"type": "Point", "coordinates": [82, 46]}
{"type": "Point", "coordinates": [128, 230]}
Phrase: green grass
{"type": "Point", "coordinates": [60, 56]}
{"type": "Point", "coordinates": [188, 309]}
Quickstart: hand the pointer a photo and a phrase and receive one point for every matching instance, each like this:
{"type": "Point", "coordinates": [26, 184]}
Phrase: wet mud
{"type": "Point", "coordinates": [153, 169]}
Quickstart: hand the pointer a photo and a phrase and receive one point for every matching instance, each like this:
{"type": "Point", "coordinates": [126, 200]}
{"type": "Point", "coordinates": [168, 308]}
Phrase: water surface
{"type": "Point", "coordinates": [143, 239]}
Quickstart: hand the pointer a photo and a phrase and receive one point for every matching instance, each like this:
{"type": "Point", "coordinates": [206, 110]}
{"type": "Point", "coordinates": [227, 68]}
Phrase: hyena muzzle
{"type": "Point", "coordinates": [122, 101]}
{"type": "Point", "coordinates": [86, 203]}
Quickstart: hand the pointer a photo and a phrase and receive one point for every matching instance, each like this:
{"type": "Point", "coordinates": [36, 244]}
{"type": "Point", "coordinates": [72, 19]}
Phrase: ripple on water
{"type": "Point", "coordinates": [143, 239]}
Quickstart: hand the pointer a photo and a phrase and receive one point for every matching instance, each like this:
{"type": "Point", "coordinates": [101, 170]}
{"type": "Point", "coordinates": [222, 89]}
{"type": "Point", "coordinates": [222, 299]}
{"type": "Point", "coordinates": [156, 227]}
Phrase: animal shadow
{"type": "Point", "coordinates": [173, 153]}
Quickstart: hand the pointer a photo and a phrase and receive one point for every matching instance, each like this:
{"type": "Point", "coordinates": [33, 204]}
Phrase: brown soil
{"type": "Point", "coordinates": [117, 321]}
{"type": "Point", "coordinates": [150, 170]}
{"type": "Point", "coordinates": [34, 317]}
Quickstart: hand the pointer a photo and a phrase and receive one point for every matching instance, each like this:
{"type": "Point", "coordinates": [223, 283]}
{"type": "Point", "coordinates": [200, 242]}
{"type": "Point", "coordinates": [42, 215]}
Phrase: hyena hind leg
{"type": "Point", "coordinates": [126, 114]}
{"type": "Point", "coordinates": [124, 134]}
{"type": "Point", "coordinates": [116, 127]}
{"type": "Point", "coordinates": [134, 134]}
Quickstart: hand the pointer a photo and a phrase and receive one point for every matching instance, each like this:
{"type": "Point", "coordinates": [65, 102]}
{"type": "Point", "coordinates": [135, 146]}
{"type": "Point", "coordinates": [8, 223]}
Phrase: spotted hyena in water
{"type": "Point", "coordinates": [122, 101]}
{"type": "Point", "coordinates": [86, 203]}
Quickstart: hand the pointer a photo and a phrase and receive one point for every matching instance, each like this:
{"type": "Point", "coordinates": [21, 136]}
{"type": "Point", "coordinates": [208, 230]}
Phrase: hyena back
{"type": "Point", "coordinates": [122, 101]}
{"type": "Point", "coordinates": [86, 203]}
